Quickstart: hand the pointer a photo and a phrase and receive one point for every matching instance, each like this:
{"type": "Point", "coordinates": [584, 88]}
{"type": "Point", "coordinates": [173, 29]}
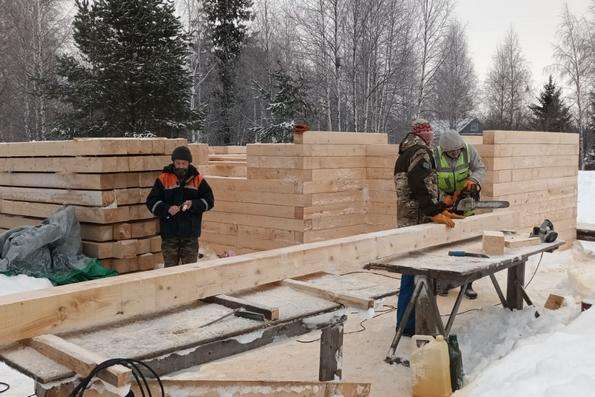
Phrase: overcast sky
{"type": "Point", "coordinates": [535, 21]}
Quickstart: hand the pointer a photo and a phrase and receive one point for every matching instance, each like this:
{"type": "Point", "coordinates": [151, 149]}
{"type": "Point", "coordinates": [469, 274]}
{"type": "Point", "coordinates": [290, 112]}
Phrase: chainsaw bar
{"type": "Point", "coordinates": [468, 204]}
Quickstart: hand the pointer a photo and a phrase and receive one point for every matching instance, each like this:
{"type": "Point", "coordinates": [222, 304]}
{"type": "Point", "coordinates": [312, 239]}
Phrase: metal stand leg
{"type": "Point", "coordinates": [455, 309]}
{"type": "Point", "coordinates": [395, 342]}
{"type": "Point", "coordinates": [498, 290]}
{"type": "Point", "coordinates": [515, 282]}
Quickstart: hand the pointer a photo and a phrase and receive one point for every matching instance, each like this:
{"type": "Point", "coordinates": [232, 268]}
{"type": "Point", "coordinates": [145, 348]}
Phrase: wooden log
{"type": "Point", "coordinates": [306, 162]}
{"type": "Point", "coordinates": [83, 214]}
{"type": "Point", "coordinates": [308, 150]}
{"type": "Point", "coordinates": [520, 150]}
{"type": "Point", "coordinates": [346, 299]}
{"type": "Point", "coordinates": [59, 196]}
{"type": "Point", "coordinates": [241, 388]}
{"type": "Point", "coordinates": [78, 359]}
{"type": "Point", "coordinates": [545, 162]}
{"type": "Point", "coordinates": [65, 308]}
{"type": "Point", "coordinates": [91, 147]}
{"type": "Point", "coordinates": [96, 165]}
{"type": "Point", "coordinates": [529, 137]}
{"type": "Point", "coordinates": [340, 138]}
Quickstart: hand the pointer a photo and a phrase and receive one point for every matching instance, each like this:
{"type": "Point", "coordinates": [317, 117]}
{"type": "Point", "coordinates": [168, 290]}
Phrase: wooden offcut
{"type": "Point", "coordinates": [78, 359]}
{"type": "Point", "coordinates": [493, 242]}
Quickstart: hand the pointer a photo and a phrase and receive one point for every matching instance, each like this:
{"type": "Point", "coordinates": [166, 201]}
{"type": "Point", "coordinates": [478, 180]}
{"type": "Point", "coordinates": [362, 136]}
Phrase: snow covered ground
{"type": "Point", "coordinates": [586, 194]}
{"type": "Point", "coordinates": [20, 385]}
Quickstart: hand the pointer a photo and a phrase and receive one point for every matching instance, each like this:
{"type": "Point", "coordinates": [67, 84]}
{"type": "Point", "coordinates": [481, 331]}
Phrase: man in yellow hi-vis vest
{"type": "Point", "coordinates": [459, 167]}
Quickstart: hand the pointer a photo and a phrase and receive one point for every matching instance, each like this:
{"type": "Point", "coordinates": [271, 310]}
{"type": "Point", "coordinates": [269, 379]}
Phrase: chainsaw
{"type": "Point", "coordinates": [468, 200]}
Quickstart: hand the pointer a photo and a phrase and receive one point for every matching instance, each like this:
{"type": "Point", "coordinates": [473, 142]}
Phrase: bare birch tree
{"type": "Point", "coordinates": [455, 85]}
{"type": "Point", "coordinates": [507, 88]}
{"type": "Point", "coordinates": [573, 54]}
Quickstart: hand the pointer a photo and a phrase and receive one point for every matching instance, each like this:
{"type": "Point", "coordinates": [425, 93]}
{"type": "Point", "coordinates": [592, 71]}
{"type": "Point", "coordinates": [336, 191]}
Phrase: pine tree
{"type": "Point", "coordinates": [286, 106]}
{"type": "Point", "coordinates": [551, 113]}
{"type": "Point", "coordinates": [227, 25]}
{"type": "Point", "coordinates": [130, 76]}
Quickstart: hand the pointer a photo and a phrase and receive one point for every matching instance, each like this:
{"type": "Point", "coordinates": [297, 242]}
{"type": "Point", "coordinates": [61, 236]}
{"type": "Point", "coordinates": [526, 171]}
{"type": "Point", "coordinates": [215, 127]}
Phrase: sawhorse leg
{"type": "Point", "coordinates": [433, 314]}
{"type": "Point", "coordinates": [515, 288]}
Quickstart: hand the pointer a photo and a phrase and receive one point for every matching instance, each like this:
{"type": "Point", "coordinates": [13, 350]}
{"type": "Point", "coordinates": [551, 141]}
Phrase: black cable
{"type": "Point", "coordinates": [6, 385]}
{"type": "Point", "coordinates": [535, 272]}
{"type": "Point", "coordinates": [361, 324]}
{"type": "Point", "coordinates": [139, 377]}
{"type": "Point", "coordinates": [368, 272]}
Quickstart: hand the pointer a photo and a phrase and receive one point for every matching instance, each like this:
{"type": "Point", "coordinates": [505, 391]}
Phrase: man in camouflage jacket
{"type": "Point", "coordinates": [417, 198]}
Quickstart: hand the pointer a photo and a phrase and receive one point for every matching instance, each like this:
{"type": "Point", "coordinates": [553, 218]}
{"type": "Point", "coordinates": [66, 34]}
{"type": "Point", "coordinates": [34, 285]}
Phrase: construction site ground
{"type": "Point", "coordinates": [485, 335]}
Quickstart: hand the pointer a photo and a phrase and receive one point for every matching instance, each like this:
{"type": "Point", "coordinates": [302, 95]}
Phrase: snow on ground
{"type": "Point", "coordinates": [586, 193]}
{"type": "Point", "coordinates": [13, 284]}
{"type": "Point", "coordinates": [515, 354]}
{"type": "Point", "coordinates": [20, 385]}
{"type": "Point", "coordinates": [557, 363]}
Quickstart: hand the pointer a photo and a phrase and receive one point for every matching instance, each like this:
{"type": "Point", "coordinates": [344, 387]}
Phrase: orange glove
{"type": "Point", "coordinates": [443, 219]}
{"type": "Point", "coordinates": [449, 201]}
{"type": "Point", "coordinates": [470, 184]}
{"type": "Point", "coordinates": [452, 215]}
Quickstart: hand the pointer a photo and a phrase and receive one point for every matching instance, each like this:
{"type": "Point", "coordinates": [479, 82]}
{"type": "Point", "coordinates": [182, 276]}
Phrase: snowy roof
{"type": "Point", "coordinates": [440, 126]}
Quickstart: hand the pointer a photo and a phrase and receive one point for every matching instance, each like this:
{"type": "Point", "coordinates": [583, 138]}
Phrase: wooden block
{"type": "Point", "coordinates": [493, 243]}
{"type": "Point", "coordinates": [78, 359]}
{"type": "Point", "coordinates": [554, 302]}
{"type": "Point", "coordinates": [346, 299]}
{"type": "Point", "coordinates": [516, 242]}
{"type": "Point", "coordinates": [143, 228]}
{"type": "Point", "coordinates": [155, 243]}
{"type": "Point", "coordinates": [340, 138]}
{"type": "Point", "coordinates": [147, 261]}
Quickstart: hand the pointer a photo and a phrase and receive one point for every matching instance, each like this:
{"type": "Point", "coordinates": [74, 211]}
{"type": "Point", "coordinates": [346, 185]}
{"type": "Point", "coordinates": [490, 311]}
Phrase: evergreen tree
{"type": "Point", "coordinates": [130, 76]}
{"type": "Point", "coordinates": [285, 106]}
{"type": "Point", "coordinates": [551, 113]}
{"type": "Point", "coordinates": [227, 25]}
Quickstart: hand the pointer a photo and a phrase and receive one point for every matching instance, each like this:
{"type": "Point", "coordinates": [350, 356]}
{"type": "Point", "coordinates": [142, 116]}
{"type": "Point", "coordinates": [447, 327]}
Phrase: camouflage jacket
{"type": "Point", "coordinates": [416, 183]}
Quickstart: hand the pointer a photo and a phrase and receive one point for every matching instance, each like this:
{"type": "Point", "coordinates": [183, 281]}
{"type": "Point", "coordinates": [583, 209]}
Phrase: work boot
{"type": "Point", "coordinates": [470, 293]}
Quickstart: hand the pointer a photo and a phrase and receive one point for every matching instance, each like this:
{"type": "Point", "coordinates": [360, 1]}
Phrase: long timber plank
{"type": "Point", "coordinates": [78, 359]}
{"type": "Point", "coordinates": [529, 137]}
{"type": "Point", "coordinates": [83, 214]}
{"type": "Point", "coordinates": [67, 307]}
{"type": "Point", "coordinates": [340, 138]}
{"type": "Point", "coordinates": [95, 165]}
{"type": "Point", "coordinates": [519, 150]}
{"type": "Point", "coordinates": [291, 150]}
{"type": "Point", "coordinates": [91, 147]}
{"type": "Point", "coordinates": [79, 181]}
{"type": "Point", "coordinates": [516, 163]}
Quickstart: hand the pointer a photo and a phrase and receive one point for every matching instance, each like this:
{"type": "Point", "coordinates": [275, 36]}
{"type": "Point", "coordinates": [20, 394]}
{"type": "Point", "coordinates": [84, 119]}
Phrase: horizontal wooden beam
{"type": "Point", "coordinates": [78, 359]}
{"type": "Point", "coordinates": [340, 138]}
{"type": "Point", "coordinates": [92, 303]}
{"type": "Point", "coordinates": [346, 299]}
{"type": "Point", "coordinates": [237, 388]}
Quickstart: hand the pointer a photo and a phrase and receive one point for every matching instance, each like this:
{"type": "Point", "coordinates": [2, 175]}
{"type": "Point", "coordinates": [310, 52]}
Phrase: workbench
{"type": "Point", "coordinates": [429, 268]}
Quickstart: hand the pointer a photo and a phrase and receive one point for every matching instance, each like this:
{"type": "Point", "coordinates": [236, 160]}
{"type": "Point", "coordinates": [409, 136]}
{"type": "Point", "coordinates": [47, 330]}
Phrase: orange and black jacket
{"type": "Point", "coordinates": [168, 190]}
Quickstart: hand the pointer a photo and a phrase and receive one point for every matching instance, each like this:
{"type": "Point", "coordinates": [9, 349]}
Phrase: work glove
{"type": "Point", "coordinates": [452, 215]}
{"type": "Point", "coordinates": [300, 128]}
{"type": "Point", "coordinates": [443, 219]}
{"type": "Point", "coordinates": [470, 184]}
{"type": "Point", "coordinates": [449, 200]}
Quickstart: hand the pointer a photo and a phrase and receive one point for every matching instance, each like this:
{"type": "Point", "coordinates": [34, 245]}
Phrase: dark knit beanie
{"type": "Point", "coordinates": [181, 153]}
